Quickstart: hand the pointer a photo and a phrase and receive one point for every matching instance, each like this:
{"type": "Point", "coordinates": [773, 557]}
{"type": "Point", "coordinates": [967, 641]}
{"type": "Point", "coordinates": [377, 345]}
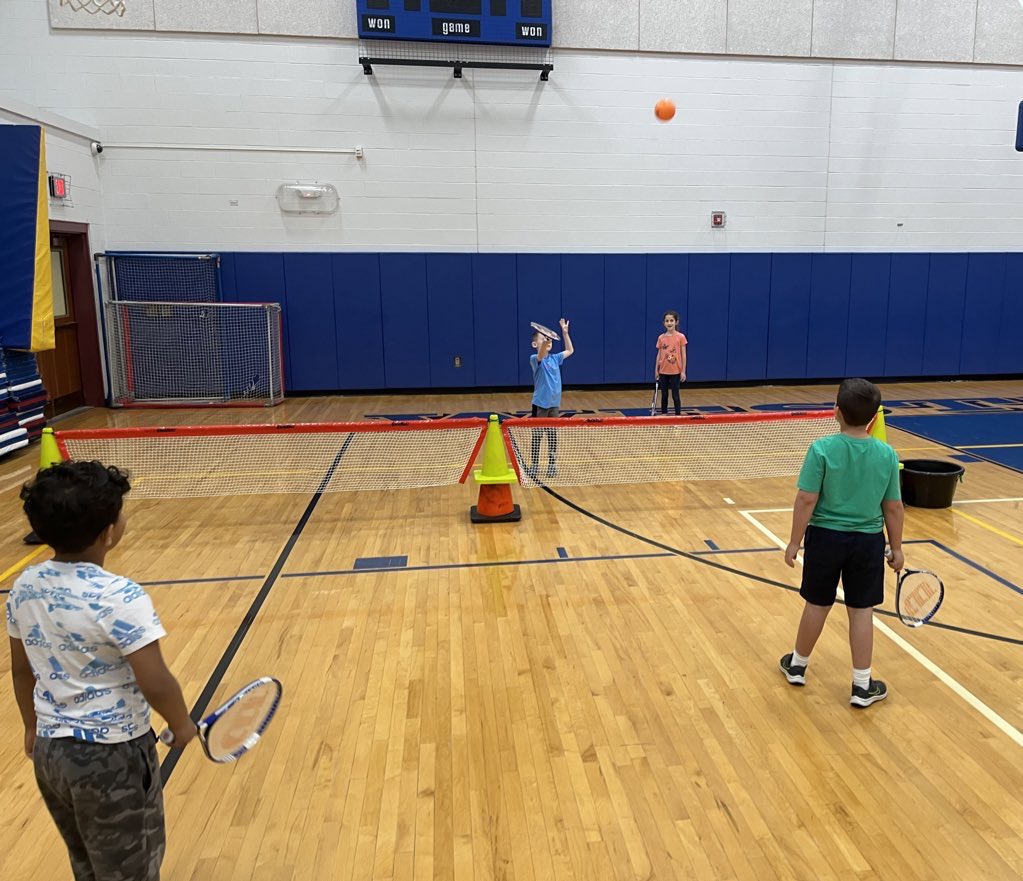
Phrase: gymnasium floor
{"type": "Point", "coordinates": [566, 697]}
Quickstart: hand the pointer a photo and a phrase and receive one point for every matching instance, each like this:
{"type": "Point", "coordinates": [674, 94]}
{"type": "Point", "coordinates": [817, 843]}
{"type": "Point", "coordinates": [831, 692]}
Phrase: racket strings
{"type": "Point", "coordinates": [920, 595]}
{"type": "Point", "coordinates": [241, 723]}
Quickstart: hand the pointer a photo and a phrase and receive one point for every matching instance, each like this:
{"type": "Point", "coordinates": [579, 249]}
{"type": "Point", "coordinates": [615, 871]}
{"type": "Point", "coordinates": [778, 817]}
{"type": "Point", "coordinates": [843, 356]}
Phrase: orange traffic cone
{"type": "Point", "coordinates": [495, 479]}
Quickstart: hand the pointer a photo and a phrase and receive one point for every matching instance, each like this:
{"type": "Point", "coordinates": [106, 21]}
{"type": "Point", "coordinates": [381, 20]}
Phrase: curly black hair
{"type": "Point", "coordinates": [71, 503]}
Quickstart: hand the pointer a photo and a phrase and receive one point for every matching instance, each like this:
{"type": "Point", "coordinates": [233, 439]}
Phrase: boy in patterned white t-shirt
{"type": "Point", "coordinates": [86, 665]}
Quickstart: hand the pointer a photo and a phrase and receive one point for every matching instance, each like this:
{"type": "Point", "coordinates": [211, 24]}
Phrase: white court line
{"type": "Point", "coordinates": [983, 501]}
{"type": "Point", "coordinates": [1013, 733]}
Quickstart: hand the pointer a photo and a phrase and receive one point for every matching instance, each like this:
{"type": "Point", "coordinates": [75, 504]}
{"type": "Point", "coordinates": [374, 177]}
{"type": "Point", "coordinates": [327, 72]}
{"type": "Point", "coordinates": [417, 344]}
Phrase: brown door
{"type": "Point", "coordinates": [61, 366]}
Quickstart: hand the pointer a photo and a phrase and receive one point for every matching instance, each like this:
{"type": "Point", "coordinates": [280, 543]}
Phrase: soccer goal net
{"type": "Point", "coordinates": [194, 354]}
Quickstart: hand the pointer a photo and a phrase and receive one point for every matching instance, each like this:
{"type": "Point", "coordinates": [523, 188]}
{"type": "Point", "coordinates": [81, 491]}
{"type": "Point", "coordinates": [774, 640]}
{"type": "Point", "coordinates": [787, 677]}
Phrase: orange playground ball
{"type": "Point", "coordinates": [664, 109]}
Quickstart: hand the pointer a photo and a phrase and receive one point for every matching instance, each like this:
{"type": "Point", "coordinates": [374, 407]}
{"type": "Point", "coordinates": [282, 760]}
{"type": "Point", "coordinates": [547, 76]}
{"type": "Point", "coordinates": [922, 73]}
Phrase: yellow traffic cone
{"type": "Point", "coordinates": [495, 478]}
{"type": "Point", "coordinates": [879, 431]}
{"type": "Point", "coordinates": [49, 453]}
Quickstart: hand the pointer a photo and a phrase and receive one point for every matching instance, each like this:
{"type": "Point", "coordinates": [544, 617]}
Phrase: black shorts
{"type": "Point", "coordinates": [855, 557]}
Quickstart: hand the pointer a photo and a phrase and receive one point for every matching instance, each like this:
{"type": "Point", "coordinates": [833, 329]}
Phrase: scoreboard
{"type": "Point", "coordinates": [493, 22]}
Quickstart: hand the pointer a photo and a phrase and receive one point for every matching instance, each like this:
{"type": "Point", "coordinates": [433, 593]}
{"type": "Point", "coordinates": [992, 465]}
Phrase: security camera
{"type": "Point", "coordinates": [97, 148]}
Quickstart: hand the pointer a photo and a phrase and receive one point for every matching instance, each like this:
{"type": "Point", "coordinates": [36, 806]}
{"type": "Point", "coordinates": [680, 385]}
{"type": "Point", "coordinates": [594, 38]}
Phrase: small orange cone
{"type": "Point", "coordinates": [495, 479]}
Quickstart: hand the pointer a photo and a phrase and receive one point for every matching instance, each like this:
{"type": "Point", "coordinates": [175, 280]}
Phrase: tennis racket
{"type": "Point", "coordinates": [653, 400]}
{"type": "Point", "coordinates": [546, 331]}
{"type": "Point", "coordinates": [918, 596]}
{"type": "Point", "coordinates": [235, 727]}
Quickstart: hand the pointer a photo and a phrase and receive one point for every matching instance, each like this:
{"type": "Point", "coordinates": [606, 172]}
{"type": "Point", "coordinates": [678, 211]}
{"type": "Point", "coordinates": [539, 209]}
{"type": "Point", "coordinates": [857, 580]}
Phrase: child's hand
{"type": "Point", "coordinates": [30, 741]}
{"type": "Point", "coordinates": [682, 378]}
{"type": "Point", "coordinates": [182, 733]}
{"type": "Point", "coordinates": [896, 559]}
{"type": "Point", "coordinates": [564, 326]}
{"type": "Point", "coordinates": [790, 554]}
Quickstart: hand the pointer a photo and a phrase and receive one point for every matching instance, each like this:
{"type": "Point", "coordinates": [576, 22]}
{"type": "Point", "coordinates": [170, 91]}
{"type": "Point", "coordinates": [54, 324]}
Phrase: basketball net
{"type": "Point", "coordinates": [107, 7]}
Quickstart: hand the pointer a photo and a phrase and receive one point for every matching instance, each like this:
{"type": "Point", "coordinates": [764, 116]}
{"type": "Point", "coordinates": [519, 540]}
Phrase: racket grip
{"type": "Point", "coordinates": [167, 737]}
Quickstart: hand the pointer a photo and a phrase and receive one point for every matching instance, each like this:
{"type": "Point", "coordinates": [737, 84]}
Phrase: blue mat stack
{"type": "Point", "coordinates": [22, 400]}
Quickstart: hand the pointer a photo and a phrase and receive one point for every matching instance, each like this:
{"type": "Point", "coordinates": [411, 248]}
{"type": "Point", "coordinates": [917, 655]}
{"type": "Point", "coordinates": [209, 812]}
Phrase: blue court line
{"type": "Point", "coordinates": [562, 553]}
{"type": "Point", "coordinates": [534, 562]}
{"type": "Point", "coordinates": [711, 544]}
{"type": "Point", "coordinates": [974, 565]}
{"type": "Point", "coordinates": [562, 559]}
{"type": "Point", "coordinates": [361, 569]}
{"type": "Point", "coordinates": [381, 562]}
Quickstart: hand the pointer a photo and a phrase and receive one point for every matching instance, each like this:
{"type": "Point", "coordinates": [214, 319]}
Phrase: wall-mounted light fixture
{"type": "Point", "coordinates": [307, 198]}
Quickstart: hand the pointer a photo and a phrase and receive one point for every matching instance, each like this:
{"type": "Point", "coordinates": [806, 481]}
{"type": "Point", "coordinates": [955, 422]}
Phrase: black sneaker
{"type": "Point", "coordinates": [864, 697]}
{"type": "Point", "coordinates": [795, 675]}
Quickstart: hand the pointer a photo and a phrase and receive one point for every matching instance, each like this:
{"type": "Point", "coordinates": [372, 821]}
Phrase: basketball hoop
{"type": "Point", "coordinates": [107, 7]}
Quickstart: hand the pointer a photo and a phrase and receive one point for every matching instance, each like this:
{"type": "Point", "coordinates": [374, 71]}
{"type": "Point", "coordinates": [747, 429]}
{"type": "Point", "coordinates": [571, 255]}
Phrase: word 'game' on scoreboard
{"type": "Point", "coordinates": [501, 22]}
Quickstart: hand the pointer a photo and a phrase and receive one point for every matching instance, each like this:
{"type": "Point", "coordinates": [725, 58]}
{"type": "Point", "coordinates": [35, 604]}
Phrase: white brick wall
{"type": "Point", "coordinates": [803, 155]}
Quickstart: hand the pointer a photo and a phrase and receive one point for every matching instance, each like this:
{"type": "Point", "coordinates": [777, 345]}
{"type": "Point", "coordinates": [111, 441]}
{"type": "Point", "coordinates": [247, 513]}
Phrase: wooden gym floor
{"type": "Point", "coordinates": [556, 699]}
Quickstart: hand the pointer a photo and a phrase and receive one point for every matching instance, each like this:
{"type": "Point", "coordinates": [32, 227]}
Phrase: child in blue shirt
{"type": "Point", "coordinates": [547, 393]}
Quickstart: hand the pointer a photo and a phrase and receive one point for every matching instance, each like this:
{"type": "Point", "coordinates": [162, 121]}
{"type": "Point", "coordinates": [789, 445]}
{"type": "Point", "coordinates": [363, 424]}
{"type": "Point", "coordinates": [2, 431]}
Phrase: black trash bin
{"type": "Point", "coordinates": [930, 483]}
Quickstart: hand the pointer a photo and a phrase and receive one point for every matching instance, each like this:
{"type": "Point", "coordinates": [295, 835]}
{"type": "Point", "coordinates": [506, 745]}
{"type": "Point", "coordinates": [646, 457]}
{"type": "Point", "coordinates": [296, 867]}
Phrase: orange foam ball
{"type": "Point", "coordinates": [664, 109]}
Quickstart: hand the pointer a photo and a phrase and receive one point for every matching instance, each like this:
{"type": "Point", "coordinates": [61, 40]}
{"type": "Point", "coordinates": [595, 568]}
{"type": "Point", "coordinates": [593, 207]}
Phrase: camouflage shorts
{"type": "Point", "coordinates": [107, 802]}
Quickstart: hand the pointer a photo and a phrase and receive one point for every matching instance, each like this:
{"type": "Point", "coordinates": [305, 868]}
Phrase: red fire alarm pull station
{"type": "Point", "coordinates": [717, 219]}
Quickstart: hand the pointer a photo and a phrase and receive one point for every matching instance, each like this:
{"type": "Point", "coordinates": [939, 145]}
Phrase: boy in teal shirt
{"type": "Point", "coordinates": [848, 488]}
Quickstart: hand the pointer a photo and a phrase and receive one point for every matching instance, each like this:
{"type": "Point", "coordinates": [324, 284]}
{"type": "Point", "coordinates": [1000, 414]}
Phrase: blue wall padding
{"type": "Point", "coordinates": [582, 299]}
{"type": "Point", "coordinates": [359, 320]}
{"type": "Point", "coordinates": [450, 316]}
{"type": "Point", "coordinates": [397, 320]}
{"type": "Point", "coordinates": [406, 330]}
{"type": "Point", "coordinates": [311, 316]}
{"type": "Point", "coordinates": [19, 182]}
{"type": "Point", "coordinates": [706, 322]}
{"type": "Point", "coordinates": [749, 307]}
{"type": "Point", "coordinates": [943, 330]}
{"type": "Point", "coordinates": [789, 321]}
{"type": "Point", "coordinates": [627, 340]}
{"type": "Point", "coordinates": [868, 304]}
{"type": "Point", "coordinates": [1010, 352]}
{"type": "Point", "coordinates": [502, 341]}
{"type": "Point", "coordinates": [982, 313]}
{"type": "Point", "coordinates": [907, 312]}
{"type": "Point", "coordinates": [827, 325]}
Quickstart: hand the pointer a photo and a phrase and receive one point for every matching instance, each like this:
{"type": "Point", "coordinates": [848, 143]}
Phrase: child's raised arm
{"type": "Point", "coordinates": [569, 348]}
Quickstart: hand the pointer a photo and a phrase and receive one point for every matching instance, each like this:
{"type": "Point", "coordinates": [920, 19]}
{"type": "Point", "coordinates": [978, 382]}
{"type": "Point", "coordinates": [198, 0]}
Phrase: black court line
{"type": "Point", "coordinates": [217, 676]}
{"type": "Point", "coordinates": [752, 576]}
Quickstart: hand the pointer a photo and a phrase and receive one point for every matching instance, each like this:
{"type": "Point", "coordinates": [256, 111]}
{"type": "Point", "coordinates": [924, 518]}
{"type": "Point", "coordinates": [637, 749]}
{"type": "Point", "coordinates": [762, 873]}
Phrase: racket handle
{"type": "Point", "coordinates": [888, 553]}
{"type": "Point", "coordinates": [167, 737]}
